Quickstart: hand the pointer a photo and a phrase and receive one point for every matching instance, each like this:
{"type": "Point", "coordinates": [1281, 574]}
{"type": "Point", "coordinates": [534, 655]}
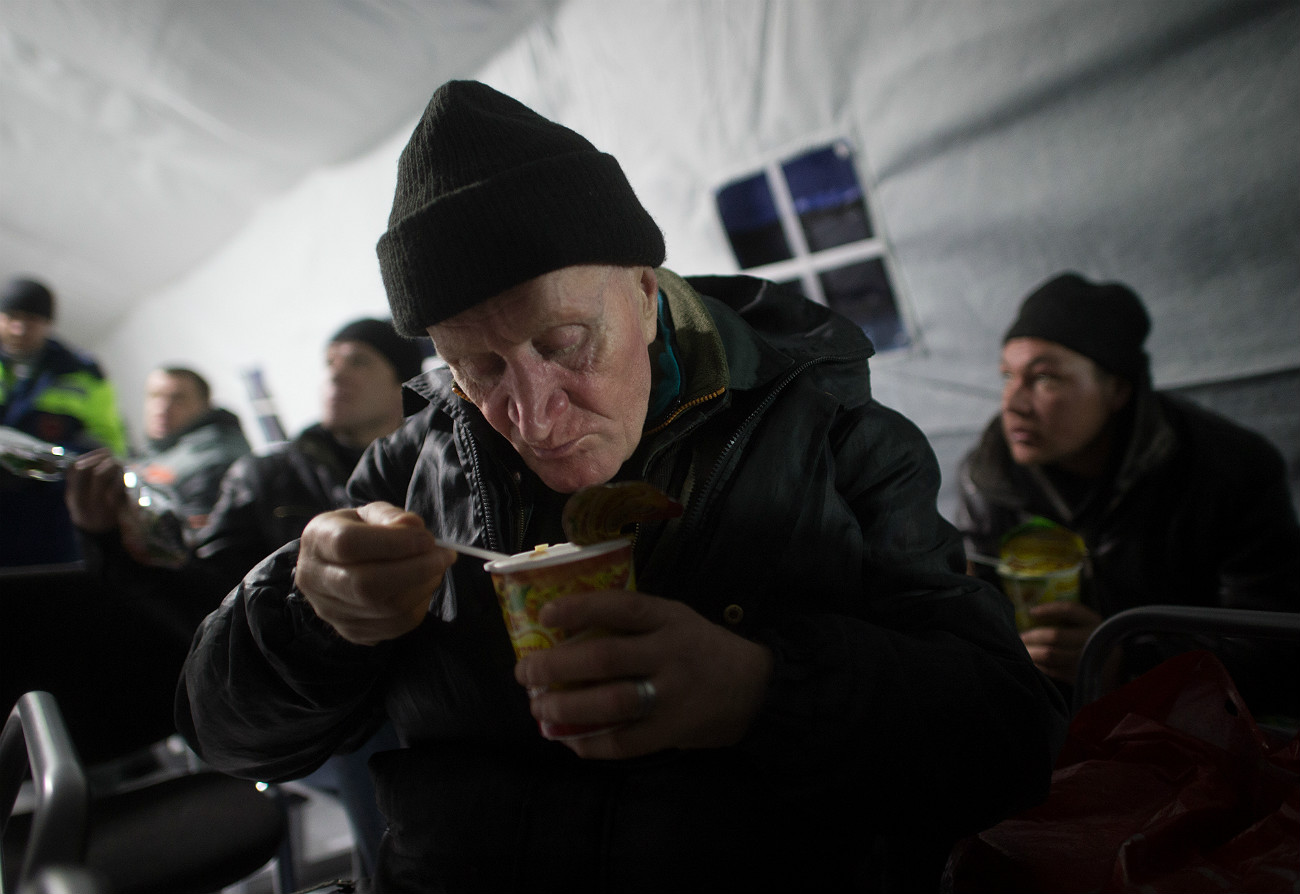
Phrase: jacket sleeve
{"type": "Point", "coordinates": [269, 691]}
{"type": "Point", "coordinates": [236, 537]}
{"type": "Point", "coordinates": [920, 706]}
{"type": "Point", "coordinates": [101, 417]}
{"type": "Point", "coordinates": [212, 450]}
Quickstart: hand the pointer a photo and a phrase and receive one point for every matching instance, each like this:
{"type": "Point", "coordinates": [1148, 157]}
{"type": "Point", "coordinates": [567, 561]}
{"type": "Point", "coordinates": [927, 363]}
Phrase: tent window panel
{"type": "Point", "coordinates": [803, 221]}
{"type": "Point", "coordinates": [752, 222]}
{"type": "Point", "coordinates": [863, 293]}
{"type": "Point", "coordinates": [827, 197]}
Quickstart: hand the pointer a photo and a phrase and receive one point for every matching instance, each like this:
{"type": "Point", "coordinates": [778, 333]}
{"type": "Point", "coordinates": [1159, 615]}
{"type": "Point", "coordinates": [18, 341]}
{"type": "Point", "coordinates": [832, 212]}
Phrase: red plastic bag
{"type": "Point", "coordinates": [1164, 785]}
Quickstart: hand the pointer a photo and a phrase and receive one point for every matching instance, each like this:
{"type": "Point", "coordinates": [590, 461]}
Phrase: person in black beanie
{"type": "Point", "coordinates": [56, 394]}
{"type": "Point", "coordinates": [805, 691]}
{"type": "Point", "coordinates": [264, 501]}
{"type": "Point", "coordinates": [1175, 505]}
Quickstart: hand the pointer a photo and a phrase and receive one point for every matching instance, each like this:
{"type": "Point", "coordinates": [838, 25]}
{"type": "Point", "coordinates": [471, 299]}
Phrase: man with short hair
{"type": "Point", "coordinates": [805, 692]}
{"type": "Point", "coordinates": [264, 501]}
{"type": "Point", "coordinates": [191, 443]}
{"type": "Point", "coordinates": [1176, 505]}
{"type": "Point", "coordinates": [58, 395]}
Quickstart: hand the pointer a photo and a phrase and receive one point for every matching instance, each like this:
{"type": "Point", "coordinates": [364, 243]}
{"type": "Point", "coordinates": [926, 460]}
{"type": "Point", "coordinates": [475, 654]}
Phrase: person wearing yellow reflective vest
{"type": "Point", "coordinates": [58, 395]}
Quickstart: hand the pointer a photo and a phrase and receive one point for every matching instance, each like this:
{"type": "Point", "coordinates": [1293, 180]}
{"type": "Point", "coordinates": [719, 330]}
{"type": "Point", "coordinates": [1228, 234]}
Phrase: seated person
{"type": "Point", "coordinates": [806, 685]}
{"type": "Point", "coordinates": [1175, 504]}
{"type": "Point", "coordinates": [265, 500]}
{"type": "Point", "coordinates": [191, 443]}
{"type": "Point", "coordinates": [55, 394]}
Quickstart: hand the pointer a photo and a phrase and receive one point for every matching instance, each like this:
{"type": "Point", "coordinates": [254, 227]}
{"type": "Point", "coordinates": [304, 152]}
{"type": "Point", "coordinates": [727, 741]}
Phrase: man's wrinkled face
{"type": "Point", "coordinates": [1057, 405]}
{"type": "Point", "coordinates": [22, 334]}
{"type": "Point", "coordinates": [559, 366]}
{"type": "Point", "coordinates": [170, 404]}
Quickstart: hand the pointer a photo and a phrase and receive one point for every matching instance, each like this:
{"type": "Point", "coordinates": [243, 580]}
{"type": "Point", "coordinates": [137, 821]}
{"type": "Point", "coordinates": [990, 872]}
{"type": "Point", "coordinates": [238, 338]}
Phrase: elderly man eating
{"type": "Point", "coordinates": [831, 700]}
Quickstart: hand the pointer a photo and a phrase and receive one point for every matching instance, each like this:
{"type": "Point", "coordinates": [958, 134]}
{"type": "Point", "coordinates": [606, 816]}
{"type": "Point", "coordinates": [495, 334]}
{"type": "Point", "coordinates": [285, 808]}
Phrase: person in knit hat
{"type": "Point", "coordinates": [56, 394]}
{"type": "Point", "coordinates": [1175, 505]}
{"type": "Point", "coordinates": [264, 501]}
{"type": "Point", "coordinates": [804, 690]}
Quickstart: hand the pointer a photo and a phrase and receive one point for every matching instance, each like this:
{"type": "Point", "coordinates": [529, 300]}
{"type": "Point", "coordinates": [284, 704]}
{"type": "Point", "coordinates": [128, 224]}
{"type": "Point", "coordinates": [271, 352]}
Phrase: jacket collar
{"type": "Point", "coordinates": [1150, 442]}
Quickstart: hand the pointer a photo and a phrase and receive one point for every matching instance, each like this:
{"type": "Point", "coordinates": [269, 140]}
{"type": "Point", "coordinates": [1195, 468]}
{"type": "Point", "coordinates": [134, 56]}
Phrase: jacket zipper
{"type": "Point", "coordinates": [494, 541]}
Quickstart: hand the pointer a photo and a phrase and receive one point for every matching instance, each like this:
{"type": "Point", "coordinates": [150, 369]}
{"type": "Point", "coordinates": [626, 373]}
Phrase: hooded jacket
{"type": "Point", "coordinates": [61, 397]}
{"type": "Point", "coordinates": [189, 464]}
{"type": "Point", "coordinates": [902, 704]}
{"type": "Point", "coordinates": [1196, 511]}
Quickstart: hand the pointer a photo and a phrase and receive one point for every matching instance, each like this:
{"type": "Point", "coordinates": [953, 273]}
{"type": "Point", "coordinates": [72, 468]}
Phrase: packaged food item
{"type": "Point", "coordinates": [1040, 561]}
{"type": "Point", "coordinates": [527, 581]}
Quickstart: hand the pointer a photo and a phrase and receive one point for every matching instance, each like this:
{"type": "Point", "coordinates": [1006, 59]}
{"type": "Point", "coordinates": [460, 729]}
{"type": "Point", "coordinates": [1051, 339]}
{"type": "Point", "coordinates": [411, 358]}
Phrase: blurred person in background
{"type": "Point", "coordinates": [266, 500]}
{"type": "Point", "coordinates": [1175, 505]}
{"type": "Point", "coordinates": [263, 502]}
{"type": "Point", "coordinates": [190, 444]}
{"type": "Point", "coordinates": [60, 396]}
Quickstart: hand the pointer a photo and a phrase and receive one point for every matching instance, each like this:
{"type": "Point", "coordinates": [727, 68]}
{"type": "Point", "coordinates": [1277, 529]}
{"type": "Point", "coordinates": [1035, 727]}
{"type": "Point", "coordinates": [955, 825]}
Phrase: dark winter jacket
{"type": "Point", "coordinates": [189, 465]}
{"type": "Point", "coordinates": [1197, 512]}
{"type": "Point", "coordinates": [266, 500]}
{"type": "Point", "coordinates": [61, 397]}
{"type": "Point", "coordinates": [903, 707]}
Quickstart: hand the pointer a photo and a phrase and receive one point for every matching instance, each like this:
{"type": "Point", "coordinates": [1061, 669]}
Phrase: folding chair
{"type": "Point", "coordinates": [192, 833]}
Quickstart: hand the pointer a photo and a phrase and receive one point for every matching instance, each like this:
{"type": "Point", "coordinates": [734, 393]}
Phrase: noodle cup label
{"type": "Point", "coordinates": [527, 581]}
{"type": "Point", "coordinates": [1027, 589]}
{"type": "Point", "coordinates": [1041, 561]}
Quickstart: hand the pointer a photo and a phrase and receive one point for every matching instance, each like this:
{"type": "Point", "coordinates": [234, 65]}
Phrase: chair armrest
{"type": "Point", "coordinates": [36, 737]}
{"type": "Point", "coordinates": [1119, 627]}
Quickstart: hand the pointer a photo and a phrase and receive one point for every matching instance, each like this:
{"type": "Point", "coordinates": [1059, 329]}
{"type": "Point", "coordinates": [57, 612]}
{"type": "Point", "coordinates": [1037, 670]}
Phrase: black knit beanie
{"type": "Point", "coordinates": [489, 195]}
{"type": "Point", "coordinates": [27, 295]}
{"type": "Point", "coordinates": [403, 353]}
{"type": "Point", "coordinates": [1104, 322]}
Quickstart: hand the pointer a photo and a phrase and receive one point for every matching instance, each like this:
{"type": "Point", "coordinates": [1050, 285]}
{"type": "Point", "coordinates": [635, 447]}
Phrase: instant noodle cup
{"type": "Point", "coordinates": [527, 581]}
{"type": "Point", "coordinates": [1040, 562]}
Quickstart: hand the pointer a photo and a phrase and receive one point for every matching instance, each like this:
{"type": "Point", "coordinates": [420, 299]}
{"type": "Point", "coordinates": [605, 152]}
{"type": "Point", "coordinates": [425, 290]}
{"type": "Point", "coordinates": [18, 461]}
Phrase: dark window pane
{"type": "Point", "coordinates": [753, 226]}
{"type": "Point", "coordinates": [863, 293]}
{"type": "Point", "coordinates": [827, 197]}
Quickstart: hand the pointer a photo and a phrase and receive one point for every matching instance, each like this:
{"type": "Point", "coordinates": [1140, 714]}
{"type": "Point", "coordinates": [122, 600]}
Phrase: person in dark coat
{"type": "Point", "coordinates": [267, 499]}
{"type": "Point", "coordinates": [1176, 505]}
{"type": "Point", "coordinates": [806, 691]}
{"type": "Point", "coordinates": [59, 396]}
{"type": "Point", "coordinates": [260, 501]}
{"type": "Point", "coordinates": [191, 443]}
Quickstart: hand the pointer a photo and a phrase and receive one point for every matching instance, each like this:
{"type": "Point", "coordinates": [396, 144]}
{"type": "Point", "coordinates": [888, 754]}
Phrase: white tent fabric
{"type": "Point", "coordinates": [137, 136]}
{"type": "Point", "coordinates": [1002, 141]}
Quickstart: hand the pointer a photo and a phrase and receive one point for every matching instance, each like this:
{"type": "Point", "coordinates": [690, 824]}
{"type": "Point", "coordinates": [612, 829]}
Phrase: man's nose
{"type": "Point", "coordinates": [536, 401]}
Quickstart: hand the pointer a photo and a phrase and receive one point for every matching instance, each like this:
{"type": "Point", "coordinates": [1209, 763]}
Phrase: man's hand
{"type": "Point", "coordinates": [95, 493]}
{"type": "Point", "coordinates": [709, 683]}
{"type": "Point", "coordinates": [370, 572]}
{"type": "Point", "coordinates": [1057, 639]}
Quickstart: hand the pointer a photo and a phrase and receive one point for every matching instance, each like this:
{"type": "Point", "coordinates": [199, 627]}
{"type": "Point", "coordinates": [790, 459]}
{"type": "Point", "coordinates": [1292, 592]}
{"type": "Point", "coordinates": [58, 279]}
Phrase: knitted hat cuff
{"type": "Point", "coordinates": [1104, 322]}
{"type": "Point", "coordinates": [476, 242]}
{"type": "Point", "coordinates": [403, 354]}
{"type": "Point", "coordinates": [27, 296]}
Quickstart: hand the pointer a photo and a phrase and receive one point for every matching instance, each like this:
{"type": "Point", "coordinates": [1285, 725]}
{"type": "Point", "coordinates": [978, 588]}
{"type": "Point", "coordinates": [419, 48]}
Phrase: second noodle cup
{"type": "Point", "coordinates": [527, 581]}
{"type": "Point", "coordinates": [1040, 562]}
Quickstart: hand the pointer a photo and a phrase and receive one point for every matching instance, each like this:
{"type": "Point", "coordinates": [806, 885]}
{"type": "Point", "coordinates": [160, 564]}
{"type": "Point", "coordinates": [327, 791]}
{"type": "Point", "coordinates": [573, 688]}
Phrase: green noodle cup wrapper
{"type": "Point", "coordinates": [1040, 562]}
{"type": "Point", "coordinates": [527, 581]}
